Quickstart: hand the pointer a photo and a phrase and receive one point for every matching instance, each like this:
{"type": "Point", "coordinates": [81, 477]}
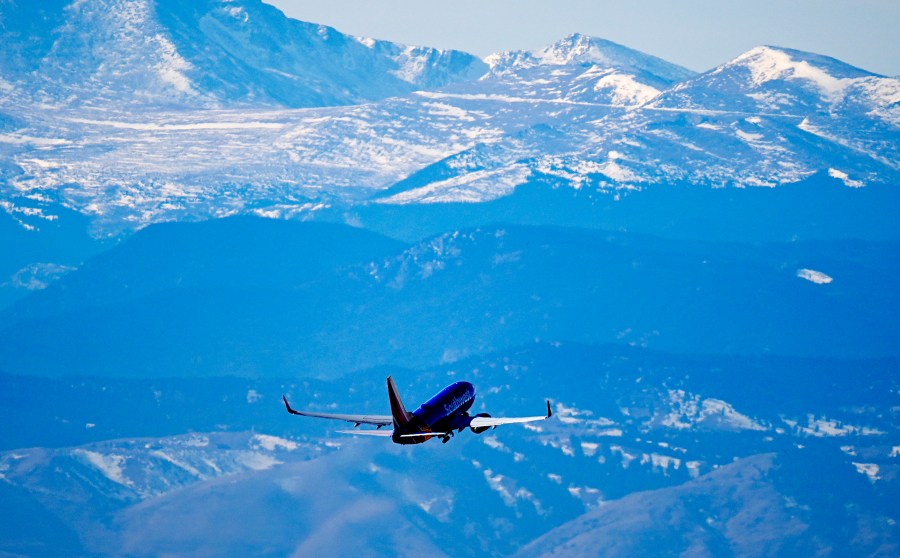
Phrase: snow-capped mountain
{"type": "Point", "coordinates": [780, 80]}
{"type": "Point", "coordinates": [578, 69]}
{"type": "Point", "coordinates": [584, 115]}
{"type": "Point", "coordinates": [205, 53]}
{"type": "Point", "coordinates": [721, 128]}
{"type": "Point", "coordinates": [820, 99]}
{"type": "Point", "coordinates": [586, 51]}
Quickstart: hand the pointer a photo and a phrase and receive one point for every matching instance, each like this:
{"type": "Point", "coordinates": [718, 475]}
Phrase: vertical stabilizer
{"type": "Point", "coordinates": [401, 417]}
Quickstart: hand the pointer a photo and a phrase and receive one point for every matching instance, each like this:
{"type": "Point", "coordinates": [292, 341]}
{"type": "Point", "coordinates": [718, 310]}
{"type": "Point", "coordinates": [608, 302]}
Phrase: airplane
{"type": "Point", "coordinates": [438, 417]}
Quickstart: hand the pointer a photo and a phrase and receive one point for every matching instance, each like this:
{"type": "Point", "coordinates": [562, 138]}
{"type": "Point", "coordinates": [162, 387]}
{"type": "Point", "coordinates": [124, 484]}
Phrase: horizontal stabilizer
{"type": "Point", "coordinates": [379, 433]}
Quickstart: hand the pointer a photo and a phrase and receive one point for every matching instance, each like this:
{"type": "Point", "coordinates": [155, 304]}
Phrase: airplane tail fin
{"type": "Point", "coordinates": [401, 416]}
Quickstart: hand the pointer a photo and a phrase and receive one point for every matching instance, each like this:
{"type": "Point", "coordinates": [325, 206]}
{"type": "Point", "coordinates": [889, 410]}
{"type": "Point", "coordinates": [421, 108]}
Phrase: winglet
{"type": "Point", "coordinates": [288, 406]}
{"type": "Point", "coordinates": [549, 412]}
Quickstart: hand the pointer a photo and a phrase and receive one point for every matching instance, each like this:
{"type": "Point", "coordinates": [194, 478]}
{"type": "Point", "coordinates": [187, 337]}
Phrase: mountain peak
{"type": "Point", "coordinates": [578, 48]}
{"type": "Point", "coordinates": [585, 50]}
{"type": "Point", "coordinates": [771, 63]}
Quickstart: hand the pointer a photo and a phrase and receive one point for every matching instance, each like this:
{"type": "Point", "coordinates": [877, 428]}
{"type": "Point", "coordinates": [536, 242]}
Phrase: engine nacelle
{"type": "Point", "coordinates": [483, 428]}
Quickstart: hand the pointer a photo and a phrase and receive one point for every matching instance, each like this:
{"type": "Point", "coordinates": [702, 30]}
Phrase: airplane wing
{"type": "Point", "coordinates": [377, 420]}
{"type": "Point", "coordinates": [482, 422]}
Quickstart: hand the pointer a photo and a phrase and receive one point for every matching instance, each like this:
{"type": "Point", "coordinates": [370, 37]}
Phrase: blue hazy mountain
{"type": "Point", "coordinates": [30, 261]}
{"type": "Point", "coordinates": [817, 208]}
{"type": "Point", "coordinates": [254, 296]}
{"type": "Point", "coordinates": [743, 509]}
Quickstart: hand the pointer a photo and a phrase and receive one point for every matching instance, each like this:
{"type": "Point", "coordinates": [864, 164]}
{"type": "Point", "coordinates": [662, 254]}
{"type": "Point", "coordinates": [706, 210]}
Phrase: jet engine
{"type": "Point", "coordinates": [483, 428]}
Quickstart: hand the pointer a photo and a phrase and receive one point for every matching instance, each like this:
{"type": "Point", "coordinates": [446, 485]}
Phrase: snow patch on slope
{"type": "Point", "coordinates": [172, 67]}
{"type": "Point", "coordinates": [814, 276]}
{"type": "Point", "coordinates": [828, 428]}
{"type": "Point", "coordinates": [870, 470]}
{"type": "Point", "coordinates": [625, 89]}
{"type": "Point", "coordinates": [110, 465]}
{"type": "Point", "coordinates": [272, 443]}
{"type": "Point", "coordinates": [845, 178]}
{"type": "Point", "coordinates": [689, 410]}
{"type": "Point", "coordinates": [470, 187]}
{"type": "Point", "coordinates": [770, 64]}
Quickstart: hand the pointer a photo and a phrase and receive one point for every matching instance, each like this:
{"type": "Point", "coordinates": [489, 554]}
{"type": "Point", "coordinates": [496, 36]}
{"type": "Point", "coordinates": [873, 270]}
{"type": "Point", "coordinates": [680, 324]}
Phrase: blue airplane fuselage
{"type": "Point", "coordinates": [445, 412]}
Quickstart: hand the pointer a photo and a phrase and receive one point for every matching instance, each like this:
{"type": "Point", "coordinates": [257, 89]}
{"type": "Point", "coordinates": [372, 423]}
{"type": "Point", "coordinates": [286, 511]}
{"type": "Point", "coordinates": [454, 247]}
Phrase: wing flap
{"type": "Point", "coordinates": [389, 433]}
{"type": "Point", "coordinates": [378, 433]}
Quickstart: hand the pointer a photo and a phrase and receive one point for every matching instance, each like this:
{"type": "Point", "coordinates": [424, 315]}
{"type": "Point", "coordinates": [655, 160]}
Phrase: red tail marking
{"type": "Point", "coordinates": [398, 411]}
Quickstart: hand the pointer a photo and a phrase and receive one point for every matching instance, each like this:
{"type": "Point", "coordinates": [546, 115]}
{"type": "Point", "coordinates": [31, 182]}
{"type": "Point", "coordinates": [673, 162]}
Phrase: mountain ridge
{"type": "Point", "coordinates": [331, 298]}
{"type": "Point", "coordinates": [209, 54]}
{"type": "Point", "coordinates": [582, 127]}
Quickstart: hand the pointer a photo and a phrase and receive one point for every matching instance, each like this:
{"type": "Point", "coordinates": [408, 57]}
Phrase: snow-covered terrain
{"type": "Point", "coordinates": [620, 449]}
{"type": "Point", "coordinates": [204, 54]}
